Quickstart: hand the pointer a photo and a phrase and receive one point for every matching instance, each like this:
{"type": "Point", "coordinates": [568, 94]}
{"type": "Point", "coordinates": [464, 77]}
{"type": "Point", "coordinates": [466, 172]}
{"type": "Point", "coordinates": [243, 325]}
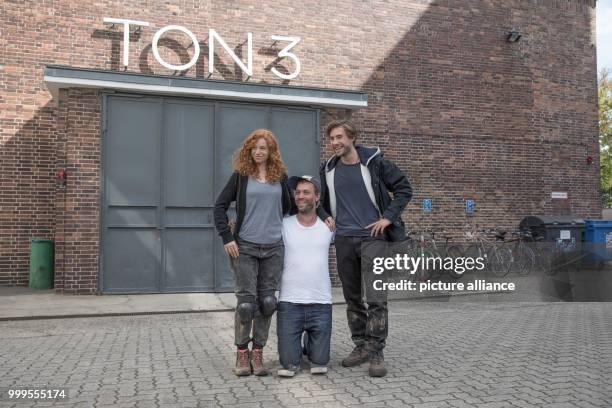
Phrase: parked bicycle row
{"type": "Point", "coordinates": [502, 252]}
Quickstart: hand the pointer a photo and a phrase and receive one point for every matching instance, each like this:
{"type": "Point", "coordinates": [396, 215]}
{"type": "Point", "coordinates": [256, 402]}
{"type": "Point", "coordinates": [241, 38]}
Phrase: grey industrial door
{"type": "Point", "coordinates": [164, 162]}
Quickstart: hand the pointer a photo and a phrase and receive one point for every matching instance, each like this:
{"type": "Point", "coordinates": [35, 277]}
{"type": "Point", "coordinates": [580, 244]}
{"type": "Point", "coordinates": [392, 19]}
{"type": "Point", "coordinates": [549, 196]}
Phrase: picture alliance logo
{"type": "Point", "coordinates": [411, 264]}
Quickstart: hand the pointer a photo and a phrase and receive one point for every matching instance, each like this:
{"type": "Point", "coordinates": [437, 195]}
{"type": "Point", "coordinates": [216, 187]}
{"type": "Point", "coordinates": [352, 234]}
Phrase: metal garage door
{"type": "Point", "coordinates": [164, 162]}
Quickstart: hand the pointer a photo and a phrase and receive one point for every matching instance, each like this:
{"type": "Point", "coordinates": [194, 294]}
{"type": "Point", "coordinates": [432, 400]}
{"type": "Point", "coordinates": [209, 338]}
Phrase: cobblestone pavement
{"type": "Point", "coordinates": [438, 354]}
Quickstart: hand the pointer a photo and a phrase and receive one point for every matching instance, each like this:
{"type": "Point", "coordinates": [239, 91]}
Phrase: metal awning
{"type": "Point", "coordinates": [58, 77]}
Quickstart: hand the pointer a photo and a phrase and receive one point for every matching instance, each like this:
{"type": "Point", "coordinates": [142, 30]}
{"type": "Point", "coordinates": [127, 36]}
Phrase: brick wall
{"type": "Point", "coordinates": [77, 205]}
{"type": "Point", "coordinates": [463, 112]}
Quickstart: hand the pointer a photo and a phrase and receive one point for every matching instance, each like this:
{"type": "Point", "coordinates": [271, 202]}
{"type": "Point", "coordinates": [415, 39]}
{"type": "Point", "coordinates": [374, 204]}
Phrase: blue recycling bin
{"type": "Point", "coordinates": [597, 245]}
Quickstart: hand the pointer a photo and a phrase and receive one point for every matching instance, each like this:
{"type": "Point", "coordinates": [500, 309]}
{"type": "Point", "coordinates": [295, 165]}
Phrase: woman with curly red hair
{"type": "Point", "coordinates": [255, 246]}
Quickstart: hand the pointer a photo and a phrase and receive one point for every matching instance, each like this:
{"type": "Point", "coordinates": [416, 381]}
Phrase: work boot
{"type": "Point", "coordinates": [377, 365]}
{"type": "Point", "coordinates": [243, 366]}
{"type": "Point", "coordinates": [358, 355]}
{"type": "Point", "coordinates": [257, 361]}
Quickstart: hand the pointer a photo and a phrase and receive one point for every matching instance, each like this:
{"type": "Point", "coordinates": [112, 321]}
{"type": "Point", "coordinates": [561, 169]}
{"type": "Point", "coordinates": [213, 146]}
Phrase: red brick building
{"type": "Point", "coordinates": [434, 83]}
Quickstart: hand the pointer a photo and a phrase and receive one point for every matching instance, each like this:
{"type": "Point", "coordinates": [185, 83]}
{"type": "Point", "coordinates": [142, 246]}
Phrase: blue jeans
{"type": "Point", "coordinates": [292, 320]}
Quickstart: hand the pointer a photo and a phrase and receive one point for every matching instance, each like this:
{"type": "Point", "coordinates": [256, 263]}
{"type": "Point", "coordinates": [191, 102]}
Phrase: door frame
{"type": "Point", "coordinates": [105, 94]}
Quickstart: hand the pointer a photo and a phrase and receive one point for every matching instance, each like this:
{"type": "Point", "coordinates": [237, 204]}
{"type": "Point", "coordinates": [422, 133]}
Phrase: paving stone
{"type": "Point", "coordinates": [439, 355]}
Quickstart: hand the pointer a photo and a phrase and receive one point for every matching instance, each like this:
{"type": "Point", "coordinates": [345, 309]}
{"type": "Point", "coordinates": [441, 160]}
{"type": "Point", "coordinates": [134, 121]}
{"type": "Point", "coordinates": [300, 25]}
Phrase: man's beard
{"type": "Point", "coordinates": [307, 208]}
{"type": "Point", "coordinates": [344, 151]}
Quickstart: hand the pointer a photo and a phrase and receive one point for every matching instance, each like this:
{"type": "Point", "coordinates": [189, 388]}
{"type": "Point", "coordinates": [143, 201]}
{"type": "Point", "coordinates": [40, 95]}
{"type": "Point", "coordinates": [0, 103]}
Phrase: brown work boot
{"type": "Point", "coordinates": [358, 355]}
{"type": "Point", "coordinates": [257, 361]}
{"type": "Point", "coordinates": [377, 365]}
{"type": "Point", "coordinates": [243, 365]}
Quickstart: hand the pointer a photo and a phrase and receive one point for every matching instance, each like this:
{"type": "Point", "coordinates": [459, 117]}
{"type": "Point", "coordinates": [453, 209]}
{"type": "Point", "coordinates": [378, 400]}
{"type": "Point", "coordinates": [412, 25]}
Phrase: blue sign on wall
{"type": "Point", "coordinates": [427, 205]}
{"type": "Point", "coordinates": [469, 206]}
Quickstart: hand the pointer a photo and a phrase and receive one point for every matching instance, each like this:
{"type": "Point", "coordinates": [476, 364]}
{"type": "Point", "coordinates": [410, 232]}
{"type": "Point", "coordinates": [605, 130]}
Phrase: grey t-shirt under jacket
{"type": "Point", "coordinates": [263, 216]}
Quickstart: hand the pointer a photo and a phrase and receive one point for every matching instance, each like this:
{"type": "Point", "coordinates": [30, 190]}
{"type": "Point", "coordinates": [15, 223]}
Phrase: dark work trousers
{"type": "Point", "coordinates": [368, 324]}
{"type": "Point", "coordinates": [257, 272]}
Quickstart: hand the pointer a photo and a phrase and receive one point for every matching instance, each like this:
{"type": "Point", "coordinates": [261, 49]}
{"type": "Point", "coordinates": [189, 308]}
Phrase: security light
{"type": "Point", "coordinates": [513, 36]}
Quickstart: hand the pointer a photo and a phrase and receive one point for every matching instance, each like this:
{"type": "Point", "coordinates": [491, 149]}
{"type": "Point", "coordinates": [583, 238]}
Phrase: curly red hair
{"type": "Point", "coordinates": [244, 163]}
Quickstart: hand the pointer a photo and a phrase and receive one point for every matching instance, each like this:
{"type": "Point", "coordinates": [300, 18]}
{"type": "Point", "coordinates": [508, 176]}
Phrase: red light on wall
{"type": "Point", "coordinates": [61, 178]}
{"type": "Point", "coordinates": [589, 160]}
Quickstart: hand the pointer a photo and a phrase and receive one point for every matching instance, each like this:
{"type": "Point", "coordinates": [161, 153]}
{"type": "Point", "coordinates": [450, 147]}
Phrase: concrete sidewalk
{"type": "Point", "coordinates": [22, 303]}
{"type": "Point", "coordinates": [19, 303]}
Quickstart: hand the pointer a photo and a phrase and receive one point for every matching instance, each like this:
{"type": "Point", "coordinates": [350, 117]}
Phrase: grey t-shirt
{"type": "Point", "coordinates": [263, 216]}
{"type": "Point", "coordinates": [354, 209]}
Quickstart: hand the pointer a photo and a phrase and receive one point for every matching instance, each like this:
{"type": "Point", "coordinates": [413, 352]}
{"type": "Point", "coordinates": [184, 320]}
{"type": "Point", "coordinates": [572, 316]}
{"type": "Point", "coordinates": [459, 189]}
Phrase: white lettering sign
{"type": "Point", "coordinates": [285, 53]}
{"type": "Point", "coordinates": [213, 37]}
{"type": "Point", "coordinates": [126, 33]}
{"type": "Point", "coordinates": [194, 40]}
{"type": "Point", "coordinates": [248, 69]}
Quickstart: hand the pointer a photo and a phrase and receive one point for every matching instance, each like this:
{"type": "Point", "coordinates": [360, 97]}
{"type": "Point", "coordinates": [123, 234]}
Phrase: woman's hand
{"type": "Point", "coordinates": [331, 224]}
{"type": "Point", "coordinates": [231, 248]}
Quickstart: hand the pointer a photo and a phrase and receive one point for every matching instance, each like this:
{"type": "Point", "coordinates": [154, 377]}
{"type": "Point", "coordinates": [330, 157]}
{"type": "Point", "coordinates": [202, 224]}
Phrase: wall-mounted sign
{"type": "Point", "coordinates": [213, 37]}
{"type": "Point", "coordinates": [562, 195]}
{"type": "Point", "coordinates": [469, 206]}
{"type": "Point", "coordinates": [427, 205]}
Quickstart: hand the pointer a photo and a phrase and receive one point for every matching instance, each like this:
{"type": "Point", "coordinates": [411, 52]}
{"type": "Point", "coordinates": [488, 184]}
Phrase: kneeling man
{"type": "Point", "coordinates": [305, 290]}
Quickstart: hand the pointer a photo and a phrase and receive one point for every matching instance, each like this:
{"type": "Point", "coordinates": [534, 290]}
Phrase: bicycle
{"type": "Point", "coordinates": [523, 257]}
{"type": "Point", "coordinates": [497, 257]}
{"type": "Point", "coordinates": [421, 248]}
{"type": "Point", "coordinates": [442, 253]}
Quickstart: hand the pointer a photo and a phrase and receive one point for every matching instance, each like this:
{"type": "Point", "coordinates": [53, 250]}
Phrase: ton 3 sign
{"type": "Point", "coordinates": [213, 37]}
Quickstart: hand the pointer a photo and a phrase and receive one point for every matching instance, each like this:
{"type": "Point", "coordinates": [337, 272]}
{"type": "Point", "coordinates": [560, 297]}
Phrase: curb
{"type": "Point", "coordinates": [116, 314]}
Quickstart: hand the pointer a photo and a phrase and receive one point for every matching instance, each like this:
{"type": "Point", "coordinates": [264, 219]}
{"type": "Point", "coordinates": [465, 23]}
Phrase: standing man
{"type": "Point", "coordinates": [357, 182]}
{"type": "Point", "coordinates": [305, 290]}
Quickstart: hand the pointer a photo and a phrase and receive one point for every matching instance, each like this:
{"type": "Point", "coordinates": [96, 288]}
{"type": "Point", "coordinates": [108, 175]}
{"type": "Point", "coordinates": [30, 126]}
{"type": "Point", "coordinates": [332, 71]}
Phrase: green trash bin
{"type": "Point", "coordinates": [41, 263]}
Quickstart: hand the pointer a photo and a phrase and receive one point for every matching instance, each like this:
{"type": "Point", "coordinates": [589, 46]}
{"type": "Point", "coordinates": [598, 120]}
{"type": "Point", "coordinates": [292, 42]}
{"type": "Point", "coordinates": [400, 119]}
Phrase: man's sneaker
{"type": "Point", "coordinates": [257, 362]}
{"type": "Point", "coordinates": [287, 372]}
{"type": "Point", "coordinates": [317, 369]}
{"type": "Point", "coordinates": [377, 365]}
{"type": "Point", "coordinates": [243, 366]}
{"type": "Point", "coordinates": [358, 355]}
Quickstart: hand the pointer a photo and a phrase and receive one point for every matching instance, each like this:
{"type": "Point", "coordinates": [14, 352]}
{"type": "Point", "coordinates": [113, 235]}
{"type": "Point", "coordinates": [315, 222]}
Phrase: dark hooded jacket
{"type": "Point", "coordinates": [382, 178]}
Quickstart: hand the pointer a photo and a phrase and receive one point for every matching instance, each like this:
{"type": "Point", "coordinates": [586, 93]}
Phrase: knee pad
{"type": "Point", "coordinates": [246, 311]}
{"type": "Point", "coordinates": [268, 305]}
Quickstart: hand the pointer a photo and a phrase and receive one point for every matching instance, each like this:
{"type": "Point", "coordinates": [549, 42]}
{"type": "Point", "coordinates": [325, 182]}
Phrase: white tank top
{"type": "Point", "coordinates": [305, 276]}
